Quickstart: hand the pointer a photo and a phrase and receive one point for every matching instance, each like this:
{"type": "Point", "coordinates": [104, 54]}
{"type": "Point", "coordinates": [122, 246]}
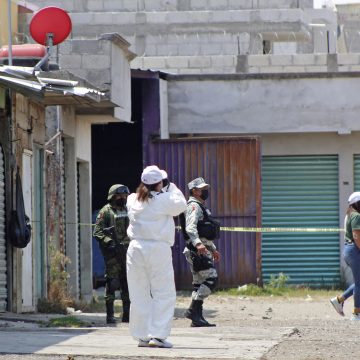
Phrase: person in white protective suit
{"type": "Point", "coordinates": [150, 272]}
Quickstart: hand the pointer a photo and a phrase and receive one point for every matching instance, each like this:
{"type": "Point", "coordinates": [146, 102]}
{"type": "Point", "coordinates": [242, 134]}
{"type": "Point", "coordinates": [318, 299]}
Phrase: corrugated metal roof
{"type": "Point", "coordinates": [50, 91]}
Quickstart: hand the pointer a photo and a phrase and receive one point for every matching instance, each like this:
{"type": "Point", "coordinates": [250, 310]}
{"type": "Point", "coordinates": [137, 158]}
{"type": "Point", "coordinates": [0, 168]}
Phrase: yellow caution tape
{"type": "Point", "coordinates": [242, 229]}
{"type": "Point", "coordinates": [276, 229]}
{"type": "Point", "coordinates": [279, 229]}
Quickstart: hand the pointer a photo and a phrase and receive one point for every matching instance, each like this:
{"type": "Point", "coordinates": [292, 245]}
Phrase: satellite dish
{"type": "Point", "coordinates": [49, 26]}
{"type": "Point", "coordinates": [50, 22]}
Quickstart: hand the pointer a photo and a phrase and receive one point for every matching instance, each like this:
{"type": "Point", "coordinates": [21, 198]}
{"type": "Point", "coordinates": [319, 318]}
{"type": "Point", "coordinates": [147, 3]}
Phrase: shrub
{"type": "Point", "coordinates": [58, 298]}
{"type": "Point", "coordinates": [278, 282]}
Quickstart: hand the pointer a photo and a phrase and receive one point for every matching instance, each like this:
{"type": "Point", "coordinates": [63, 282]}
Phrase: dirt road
{"type": "Point", "coordinates": [319, 332]}
{"type": "Point", "coordinates": [314, 330]}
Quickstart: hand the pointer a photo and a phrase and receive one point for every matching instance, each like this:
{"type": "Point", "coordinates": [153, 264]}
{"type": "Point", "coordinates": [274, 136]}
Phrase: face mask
{"type": "Point", "coordinates": [120, 202]}
{"type": "Point", "coordinates": [204, 194]}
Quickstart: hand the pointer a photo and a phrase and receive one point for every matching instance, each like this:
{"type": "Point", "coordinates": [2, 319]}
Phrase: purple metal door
{"type": "Point", "coordinates": [231, 165]}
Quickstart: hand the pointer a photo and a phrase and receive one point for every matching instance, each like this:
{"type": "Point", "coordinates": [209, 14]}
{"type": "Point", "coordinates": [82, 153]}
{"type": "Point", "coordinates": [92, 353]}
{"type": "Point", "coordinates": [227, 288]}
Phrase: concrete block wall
{"type": "Point", "coordinates": [251, 64]}
{"type": "Point", "coordinates": [170, 5]}
{"type": "Point", "coordinates": [191, 33]}
{"type": "Point", "coordinates": [211, 27]}
{"type": "Point", "coordinates": [88, 59]}
{"type": "Point", "coordinates": [349, 22]}
{"type": "Point", "coordinates": [211, 34]}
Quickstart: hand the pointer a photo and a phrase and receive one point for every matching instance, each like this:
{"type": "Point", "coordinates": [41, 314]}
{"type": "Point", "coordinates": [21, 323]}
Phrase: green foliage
{"type": "Point", "coordinates": [58, 298]}
{"type": "Point", "coordinates": [278, 286]}
{"type": "Point", "coordinates": [278, 282]}
{"type": "Point", "coordinates": [66, 321]}
{"type": "Point", "coordinates": [253, 290]}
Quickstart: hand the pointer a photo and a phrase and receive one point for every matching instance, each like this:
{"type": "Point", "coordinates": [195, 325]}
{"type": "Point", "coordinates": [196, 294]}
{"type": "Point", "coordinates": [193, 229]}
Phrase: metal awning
{"type": "Point", "coordinates": [49, 91]}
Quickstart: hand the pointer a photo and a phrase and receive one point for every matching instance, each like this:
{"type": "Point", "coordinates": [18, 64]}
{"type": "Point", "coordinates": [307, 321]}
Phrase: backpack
{"type": "Point", "coordinates": [19, 225]}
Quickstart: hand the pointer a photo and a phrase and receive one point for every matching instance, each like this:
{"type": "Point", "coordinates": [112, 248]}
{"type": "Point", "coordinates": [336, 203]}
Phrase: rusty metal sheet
{"type": "Point", "coordinates": [231, 165]}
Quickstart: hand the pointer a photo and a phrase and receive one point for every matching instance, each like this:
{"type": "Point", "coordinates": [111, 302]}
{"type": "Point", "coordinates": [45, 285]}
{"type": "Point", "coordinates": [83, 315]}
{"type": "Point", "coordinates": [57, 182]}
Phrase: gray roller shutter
{"type": "Point", "coordinates": [3, 268]}
{"type": "Point", "coordinates": [301, 191]}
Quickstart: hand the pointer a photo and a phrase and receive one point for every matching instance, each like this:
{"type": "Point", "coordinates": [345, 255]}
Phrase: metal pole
{"type": "Point", "coordinates": [10, 34]}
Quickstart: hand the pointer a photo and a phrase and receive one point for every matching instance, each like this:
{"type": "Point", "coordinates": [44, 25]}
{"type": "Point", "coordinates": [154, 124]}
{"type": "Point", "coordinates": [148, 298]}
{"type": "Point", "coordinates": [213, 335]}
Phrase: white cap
{"type": "Point", "coordinates": [164, 174]}
{"type": "Point", "coordinates": [354, 197]}
{"type": "Point", "coordinates": [151, 175]}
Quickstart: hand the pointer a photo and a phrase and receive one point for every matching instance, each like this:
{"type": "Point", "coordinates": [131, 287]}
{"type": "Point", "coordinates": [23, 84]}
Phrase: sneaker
{"type": "Point", "coordinates": [338, 306]}
{"type": "Point", "coordinates": [355, 317]}
{"type": "Point", "coordinates": [161, 343]}
{"type": "Point", "coordinates": [143, 343]}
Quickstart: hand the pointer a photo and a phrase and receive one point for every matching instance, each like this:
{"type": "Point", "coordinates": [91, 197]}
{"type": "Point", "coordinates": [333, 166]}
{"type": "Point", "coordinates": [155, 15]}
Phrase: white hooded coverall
{"type": "Point", "coordinates": [150, 272]}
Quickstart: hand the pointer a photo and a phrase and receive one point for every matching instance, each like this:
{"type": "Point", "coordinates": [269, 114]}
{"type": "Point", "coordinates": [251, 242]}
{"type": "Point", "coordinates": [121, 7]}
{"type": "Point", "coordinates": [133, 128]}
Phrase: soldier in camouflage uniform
{"type": "Point", "coordinates": [200, 253]}
{"type": "Point", "coordinates": [110, 231]}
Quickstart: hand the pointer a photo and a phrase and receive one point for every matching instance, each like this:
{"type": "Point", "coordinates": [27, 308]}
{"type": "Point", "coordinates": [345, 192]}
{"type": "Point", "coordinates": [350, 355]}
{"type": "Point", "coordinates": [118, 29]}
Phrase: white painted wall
{"type": "Point", "coordinates": [27, 270]}
{"type": "Point", "coordinates": [83, 140]}
{"type": "Point", "coordinates": [120, 83]}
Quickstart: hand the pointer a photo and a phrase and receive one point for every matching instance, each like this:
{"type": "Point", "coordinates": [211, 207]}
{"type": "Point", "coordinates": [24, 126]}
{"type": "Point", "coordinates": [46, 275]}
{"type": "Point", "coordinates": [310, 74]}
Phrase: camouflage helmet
{"type": "Point", "coordinates": [117, 189]}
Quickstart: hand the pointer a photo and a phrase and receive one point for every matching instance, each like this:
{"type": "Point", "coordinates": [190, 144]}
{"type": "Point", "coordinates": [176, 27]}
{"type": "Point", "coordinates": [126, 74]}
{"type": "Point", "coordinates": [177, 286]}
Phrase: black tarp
{"type": "Point", "coordinates": [19, 228]}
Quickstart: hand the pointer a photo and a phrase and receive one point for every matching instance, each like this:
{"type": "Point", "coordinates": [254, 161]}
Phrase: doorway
{"type": "Point", "coordinates": [117, 158]}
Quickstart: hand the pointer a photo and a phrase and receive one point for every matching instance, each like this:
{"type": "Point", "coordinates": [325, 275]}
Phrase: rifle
{"type": "Point", "coordinates": [119, 249]}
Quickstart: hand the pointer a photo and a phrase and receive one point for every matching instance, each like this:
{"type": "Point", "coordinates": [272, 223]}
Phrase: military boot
{"type": "Point", "coordinates": [193, 313]}
{"type": "Point", "coordinates": [202, 316]}
{"type": "Point", "coordinates": [110, 319]}
{"type": "Point", "coordinates": [126, 311]}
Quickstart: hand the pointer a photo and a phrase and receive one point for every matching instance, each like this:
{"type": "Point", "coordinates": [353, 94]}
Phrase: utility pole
{"type": "Point", "coordinates": [10, 34]}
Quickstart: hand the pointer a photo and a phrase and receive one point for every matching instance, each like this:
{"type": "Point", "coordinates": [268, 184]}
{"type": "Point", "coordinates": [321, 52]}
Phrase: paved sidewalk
{"type": "Point", "coordinates": [220, 342]}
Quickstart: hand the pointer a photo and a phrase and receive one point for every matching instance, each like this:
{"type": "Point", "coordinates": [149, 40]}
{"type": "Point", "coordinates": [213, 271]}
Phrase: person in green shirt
{"type": "Point", "coordinates": [351, 256]}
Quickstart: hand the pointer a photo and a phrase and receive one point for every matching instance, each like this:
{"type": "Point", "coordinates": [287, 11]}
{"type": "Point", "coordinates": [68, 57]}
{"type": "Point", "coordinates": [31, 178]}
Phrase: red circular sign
{"type": "Point", "coordinates": [50, 20]}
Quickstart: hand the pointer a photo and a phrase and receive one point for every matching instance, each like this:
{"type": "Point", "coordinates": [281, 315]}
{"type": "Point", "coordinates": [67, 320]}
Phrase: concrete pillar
{"type": "Point", "coordinates": [71, 216]}
{"type": "Point", "coordinates": [164, 113]}
{"type": "Point", "coordinates": [320, 40]}
{"type": "Point", "coordinates": [242, 64]}
{"type": "Point", "coordinates": [346, 187]}
{"type": "Point", "coordinates": [332, 63]}
{"type": "Point", "coordinates": [85, 231]}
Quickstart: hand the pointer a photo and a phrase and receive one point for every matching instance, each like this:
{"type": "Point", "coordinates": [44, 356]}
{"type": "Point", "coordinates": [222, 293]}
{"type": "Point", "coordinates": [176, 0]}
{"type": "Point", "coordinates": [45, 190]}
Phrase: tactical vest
{"type": "Point", "coordinates": [208, 227]}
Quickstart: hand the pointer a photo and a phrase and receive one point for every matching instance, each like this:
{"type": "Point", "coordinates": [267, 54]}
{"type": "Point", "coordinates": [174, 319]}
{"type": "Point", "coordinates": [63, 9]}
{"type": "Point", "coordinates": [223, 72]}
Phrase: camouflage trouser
{"type": "Point", "coordinates": [204, 281]}
{"type": "Point", "coordinates": [115, 275]}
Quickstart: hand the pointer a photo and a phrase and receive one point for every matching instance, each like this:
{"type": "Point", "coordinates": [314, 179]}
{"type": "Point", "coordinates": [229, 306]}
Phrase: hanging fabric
{"type": "Point", "coordinates": [19, 228]}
